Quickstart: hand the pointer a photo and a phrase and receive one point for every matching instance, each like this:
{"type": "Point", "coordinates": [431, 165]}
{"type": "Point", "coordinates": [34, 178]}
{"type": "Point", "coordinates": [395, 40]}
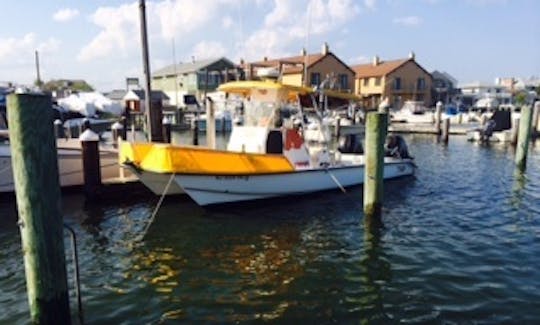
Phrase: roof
{"type": "Point", "coordinates": [311, 59]}
{"type": "Point", "coordinates": [379, 70]}
{"type": "Point", "coordinates": [443, 75]}
{"type": "Point", "coordinates": [156, 94]}
{"type": "Point", "coordinates": [117, 94]}
{"type": "Point", "coordinates": [189, 67]}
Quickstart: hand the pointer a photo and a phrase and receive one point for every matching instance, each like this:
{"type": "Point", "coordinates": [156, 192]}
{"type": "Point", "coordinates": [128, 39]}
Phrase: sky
{"type": "Point", "coordinates": [99, 40]}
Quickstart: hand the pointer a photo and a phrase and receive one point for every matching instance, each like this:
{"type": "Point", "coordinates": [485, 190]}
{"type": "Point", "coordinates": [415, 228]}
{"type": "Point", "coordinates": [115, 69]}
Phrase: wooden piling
{"type": "Point", "coordinates": [376, 128]}
{"type": "Point", "coordinates": [445, 130]}
{"type": "Point", "coordinates": [337, 130]}
{"type": "Point", "coordinates": [195, 131]}
{"type": "Point", "coordinates": [536, 120]}
{"type": "Point", "coordinates": [117, 131]}
{"type": "Point", "coordinates": [515, 130]}
{"type": "Point", "coordinates": [210, 124]}
{"type": "Point", "coordinates": [523, 137]}
{"type": "Point", "coordinates": [438, 116]}
{"type": "Point", "coordinates": [37, 187]}
{"type": "Point", "coordinates": [166, 125]}
{"type": "Point", "coordinates": [91, 164]}
{"type": "Point", "coordinates": [58, 129]}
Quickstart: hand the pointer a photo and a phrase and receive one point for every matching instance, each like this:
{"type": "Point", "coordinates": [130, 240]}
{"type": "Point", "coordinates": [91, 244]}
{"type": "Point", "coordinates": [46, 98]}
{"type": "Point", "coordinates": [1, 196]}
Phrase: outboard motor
{"type": "Point", "coordinates": [350, 143]}
{"type": "Point", "coordinates": [396, 147]}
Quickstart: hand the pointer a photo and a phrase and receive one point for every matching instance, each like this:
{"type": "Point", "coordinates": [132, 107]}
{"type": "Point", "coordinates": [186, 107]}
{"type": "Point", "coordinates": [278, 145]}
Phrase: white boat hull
{"type": "Point", "coordinates": [218, 189]}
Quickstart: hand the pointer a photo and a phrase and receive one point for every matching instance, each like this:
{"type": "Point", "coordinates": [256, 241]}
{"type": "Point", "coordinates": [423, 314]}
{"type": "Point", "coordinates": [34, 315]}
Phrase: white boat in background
{"type": "Point", "coordinates": [90, 103]}
{"type": "Point", "coordinates": [412, 112]}
{"type": "Point", "coordinates": [266, 157]}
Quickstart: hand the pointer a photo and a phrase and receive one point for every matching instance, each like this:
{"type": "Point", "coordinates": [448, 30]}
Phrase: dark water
{"type": "Point", "coordinates": [460, 243]}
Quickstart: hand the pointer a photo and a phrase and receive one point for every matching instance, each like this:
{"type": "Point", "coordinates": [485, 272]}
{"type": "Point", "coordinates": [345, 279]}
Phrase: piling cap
{"type": "Point", "coordinates": [88, 135]}
{"type": "Point", "coordinates": [57, 122]}
{"type": "Point", "coordinates": [117, 126]}
{"type": "Point", "coordinates": [166, 120]}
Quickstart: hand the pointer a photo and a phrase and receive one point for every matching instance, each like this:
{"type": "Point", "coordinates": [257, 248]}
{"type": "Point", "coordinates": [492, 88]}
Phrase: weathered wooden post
{"type": "Point", "coordinates": [166, 129]}
{"type": "Point", "coordinates": [58, 129]}
{"type": "Point", "coordinates": [123, 130]}
{"type": "Point", "coordinates": [337, 130]}
{"type": "Point", "coordinates": [35, 171]}
{"type": "Point", "coordinates": [438, 115]}
{"type": "Point", "coordinates": [515, 130]}
{"type": "Point", "coordinates": [91, 163]}
{"type": "Point", "coordinates": [446, 130]}
{"type": "Point", "coordinates": [210, 124]}
{"type": "Point", "coordinates": [536, 120]}
{"type": "Point", "coordinates": [376, 128]}
{"type": "Point", "coordinates": [523, 137]}
{"type": "Point", "coordinates": [117, 132]}
{"type": "Point", "coordinates": [483, 120]}
{"type": "Point", "coordinates": [195, 129]}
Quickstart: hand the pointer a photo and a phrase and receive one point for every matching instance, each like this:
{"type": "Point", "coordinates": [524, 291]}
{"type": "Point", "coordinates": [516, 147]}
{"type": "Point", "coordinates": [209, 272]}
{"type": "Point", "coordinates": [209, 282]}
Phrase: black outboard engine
{"type": "Point", "coordinates": [396, 147]}
{"type": "Point", "coordinates": [350, 143]}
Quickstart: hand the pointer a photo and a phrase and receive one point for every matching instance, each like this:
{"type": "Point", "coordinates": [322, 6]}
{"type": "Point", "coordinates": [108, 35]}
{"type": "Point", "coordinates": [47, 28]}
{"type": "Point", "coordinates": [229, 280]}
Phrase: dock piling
{"type": "Point", "coordinates": [376, 129]}
{"type": "Point", "coordinates": [91, 163]}
{"type": "Point", "coordinates": [166, 125]}
{"type": "Point", "coordinates": [438, 116]}
{"type": "Point", "coordinates": [515, 130]}
{"type": "Point", "coordinates": [37, 187]}
{"type": "Point", "coordinates": [195, 130]}
{"type": "Point", "coordinates": [117, 131]}
{"type": "Point", "coordinates": [523, 137]}
{"type": "Point", "coordinates": [210, 124]}
{"type": "Point", "coordinates": [58, 129]}
{"type": "Point", "coordinates": [536, 120]}
{"type": "Point", "coordinates": [337, 130]}
{"type": "Point", "coordinates": [445, 130]}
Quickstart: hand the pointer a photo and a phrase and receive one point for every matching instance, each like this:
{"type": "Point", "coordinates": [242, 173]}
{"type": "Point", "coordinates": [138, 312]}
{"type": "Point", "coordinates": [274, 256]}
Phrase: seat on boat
{"type": "Point", "coordinates": [274, 142]}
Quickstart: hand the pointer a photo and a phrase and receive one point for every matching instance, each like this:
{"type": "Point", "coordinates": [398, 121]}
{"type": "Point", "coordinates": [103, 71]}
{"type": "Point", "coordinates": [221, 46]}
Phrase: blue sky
{"type": "Point", "coordinates": [99, 41]}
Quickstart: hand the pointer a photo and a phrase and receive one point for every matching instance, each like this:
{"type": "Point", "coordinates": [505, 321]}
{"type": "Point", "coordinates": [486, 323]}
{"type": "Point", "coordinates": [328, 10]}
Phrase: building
{"type": "Point", "coordinates": [444, 87]}
{"type": "Point", "coordinates": [194, 78]}
{"type": "Point", "coordinates": [317, 66]}
{"type": "Point", "coordinates": [134, 100]}
{"type": "Point", "coordinates": [483, 95]}
{"type": "Point", "coordinates": [397, 80]}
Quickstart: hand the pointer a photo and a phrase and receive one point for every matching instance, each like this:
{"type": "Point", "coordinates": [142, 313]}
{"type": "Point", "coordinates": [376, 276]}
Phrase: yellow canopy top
{"type": "Point", "coordinates": [246, 86]}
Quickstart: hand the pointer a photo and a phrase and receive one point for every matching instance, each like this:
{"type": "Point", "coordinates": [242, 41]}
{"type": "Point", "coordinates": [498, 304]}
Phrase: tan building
{"type": "Point", "coordinates": [317, 66]}
{"type": "Point", "coordinates": [397, 80]}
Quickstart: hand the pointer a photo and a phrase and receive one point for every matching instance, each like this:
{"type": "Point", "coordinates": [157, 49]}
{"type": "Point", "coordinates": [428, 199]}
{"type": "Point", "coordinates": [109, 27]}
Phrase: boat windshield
{"type": "Point", "coordinates": [259, 113]}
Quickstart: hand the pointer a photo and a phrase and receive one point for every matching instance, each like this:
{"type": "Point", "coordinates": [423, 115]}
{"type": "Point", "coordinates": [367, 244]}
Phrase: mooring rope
{"type": "Point", "coordinates": [156, 209]}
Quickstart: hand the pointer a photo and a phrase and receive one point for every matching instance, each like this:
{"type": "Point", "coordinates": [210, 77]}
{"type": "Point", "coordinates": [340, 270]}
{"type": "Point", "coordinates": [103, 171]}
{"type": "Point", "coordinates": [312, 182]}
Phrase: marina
{"type": "Point", "coordinates": [451, 249]}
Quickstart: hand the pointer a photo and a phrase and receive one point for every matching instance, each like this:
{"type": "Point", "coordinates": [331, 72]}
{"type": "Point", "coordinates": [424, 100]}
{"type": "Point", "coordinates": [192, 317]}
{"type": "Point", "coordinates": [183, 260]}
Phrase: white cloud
{"type": "Point", "coordinates": [22, 49]}
{"type": "Point", "coordinates": [370, 4]}
{"type": "Point", "coordinates": [408, 21]}
{"type": "Point", "coordinates": [227, 22]}
{"type": "Point", "coordinates": [359, 59]}
{"type": "Point", "coordinates": [120, 25]}
{"type": "Point", "coordinates": [208, 49]}
{"type": "Point", "coordinates": [286, 25]}
{"type": "Point", "coordinates": [65, 14]}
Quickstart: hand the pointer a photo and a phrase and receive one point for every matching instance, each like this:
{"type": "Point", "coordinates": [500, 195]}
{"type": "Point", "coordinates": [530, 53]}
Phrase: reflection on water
{"type": "Point", "coordinates": [459, 242]}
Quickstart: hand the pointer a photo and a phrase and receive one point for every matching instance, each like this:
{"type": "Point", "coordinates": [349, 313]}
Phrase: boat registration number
{"type": "Point", "coordinates": [233, 177]}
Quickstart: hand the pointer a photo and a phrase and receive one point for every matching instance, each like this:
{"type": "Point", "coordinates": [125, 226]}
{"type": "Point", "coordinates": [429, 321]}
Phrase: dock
{"type": "Point", "coordinates": [428, 128]}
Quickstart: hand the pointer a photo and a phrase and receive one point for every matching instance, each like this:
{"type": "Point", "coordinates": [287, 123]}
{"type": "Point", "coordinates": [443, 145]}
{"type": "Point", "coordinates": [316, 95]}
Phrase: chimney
{"type": "Point", "coordinates": [325, 49]}
{"type": "Point", "coordinates": [303, 52]}
{"type": "Point", "coordinates": [242, 62]}
{"type": "Point", "coordinates": [376, 60]}
{"type": "Point", "coordinates": [192, 59]}
{"type": "Point", "coordinates": [265, 58]}
{"type": "Point", "coordinates": [411, 55]}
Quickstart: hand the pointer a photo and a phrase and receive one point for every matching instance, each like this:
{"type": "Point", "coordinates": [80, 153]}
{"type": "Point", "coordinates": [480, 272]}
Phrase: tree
{"type": "Point", "coordinates": [63, 84]}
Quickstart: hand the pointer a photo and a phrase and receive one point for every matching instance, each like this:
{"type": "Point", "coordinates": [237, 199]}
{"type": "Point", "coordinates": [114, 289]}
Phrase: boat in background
{"type": "Point", "coordinates": [266, 157]}
{"type": "Point", "coordinates": [412, 112]}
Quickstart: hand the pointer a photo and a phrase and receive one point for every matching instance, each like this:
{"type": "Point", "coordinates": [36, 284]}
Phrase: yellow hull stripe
{"type": "Point", "coordinates": [165, 158]}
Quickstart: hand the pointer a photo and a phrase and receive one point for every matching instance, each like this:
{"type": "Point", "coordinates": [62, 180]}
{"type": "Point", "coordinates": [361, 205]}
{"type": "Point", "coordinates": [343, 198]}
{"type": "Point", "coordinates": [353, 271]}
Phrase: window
{"type": "Point", "coordinates": [397, 83]}
{"type": "Point", "coordinates": [315, 78]}
{"type": "Point", "coordinates": [378, 81]}
{"type": "Point", "coordinates": [366, 81]}
{"type": "Point", "coordinates": [421, 84]}
{"type": "Point", "coordinates": [344, 81]}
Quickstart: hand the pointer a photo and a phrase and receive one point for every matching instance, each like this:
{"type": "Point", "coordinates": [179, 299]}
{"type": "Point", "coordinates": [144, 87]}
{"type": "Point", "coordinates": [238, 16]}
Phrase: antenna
{"type": "Point", "coordinates": [175, 74]}
{"type": "Point", "coordinates": [308, 26]}
{"type": "Point", "coordinates": [38, 76]}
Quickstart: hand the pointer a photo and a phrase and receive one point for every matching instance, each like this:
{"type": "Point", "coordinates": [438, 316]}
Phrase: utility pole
{"type": "Point", "coordinates": [153, 117]}
{"type": "Point", "coordinates": [38, 76]}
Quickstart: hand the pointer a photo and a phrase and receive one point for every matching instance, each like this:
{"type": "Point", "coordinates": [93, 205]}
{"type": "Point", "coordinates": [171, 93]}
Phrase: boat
{"type": "Point", "coordinates": [497, 128]}
{"type": "Point", "coordinates": [412, 112]}
{"type": "Point", "coordinates": [266, 157]}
